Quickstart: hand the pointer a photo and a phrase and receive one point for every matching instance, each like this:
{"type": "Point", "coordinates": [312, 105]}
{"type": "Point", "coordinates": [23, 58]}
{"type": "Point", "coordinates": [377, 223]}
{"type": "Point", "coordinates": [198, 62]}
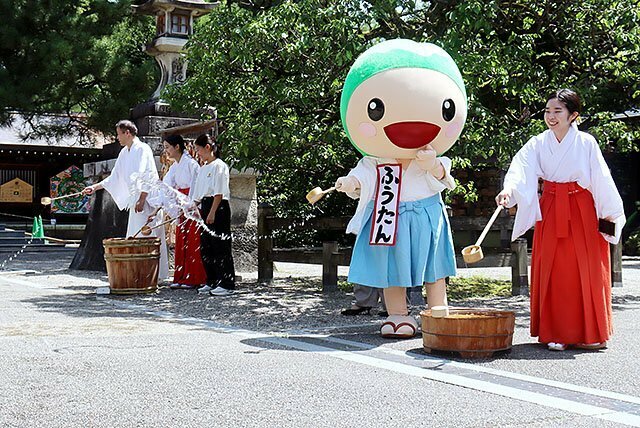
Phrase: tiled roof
{"type": "Point", "coordinates": [20, 131]}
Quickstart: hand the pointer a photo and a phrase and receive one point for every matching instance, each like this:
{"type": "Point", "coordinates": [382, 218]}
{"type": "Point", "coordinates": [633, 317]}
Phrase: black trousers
{"type": "Point", "coordinates": [216, 250]}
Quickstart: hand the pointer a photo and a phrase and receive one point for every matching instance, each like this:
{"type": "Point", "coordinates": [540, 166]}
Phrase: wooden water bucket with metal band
{"type": "Point", "coordinates": [472, 333]}
{"type": "Point", "coordinates": [132, 264]}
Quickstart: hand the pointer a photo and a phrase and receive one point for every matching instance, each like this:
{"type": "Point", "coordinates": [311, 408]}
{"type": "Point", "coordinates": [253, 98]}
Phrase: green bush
{"type": "Point", "coordinates": [632, 244]}
{"type": "Point", "coordinates": [463, 288]}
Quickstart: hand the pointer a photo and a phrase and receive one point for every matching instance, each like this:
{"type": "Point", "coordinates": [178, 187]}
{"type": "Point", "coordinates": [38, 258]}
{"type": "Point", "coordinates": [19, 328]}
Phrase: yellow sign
{"type": "Point", "coordinates": [16, 190]}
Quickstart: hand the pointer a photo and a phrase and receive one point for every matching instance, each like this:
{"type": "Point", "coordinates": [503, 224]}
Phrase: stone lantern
{"type": "Point", "coordinates": [174, 25]}
{"type": "Point", "coordinates": [154, 118]}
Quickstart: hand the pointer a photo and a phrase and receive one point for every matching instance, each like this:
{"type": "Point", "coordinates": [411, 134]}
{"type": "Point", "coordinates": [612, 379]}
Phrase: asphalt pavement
{"type": "Point", "coordinates": [281, 355]}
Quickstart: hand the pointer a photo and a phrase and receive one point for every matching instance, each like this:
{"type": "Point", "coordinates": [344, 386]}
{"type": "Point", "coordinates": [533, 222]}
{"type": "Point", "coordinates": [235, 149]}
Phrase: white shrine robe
{"type": "Point", "coordinates": [577, 158]}
{"type": "Point", "coordinates": [167, 194]}
{"type": "Point", "coordinates": [183, 173]}
{"type": "Point", "coordinates": [213, 179]}
{"type": "Point", "coordinates": [416, 184]}
{"type": "Point", "coordinates": [125, 187]}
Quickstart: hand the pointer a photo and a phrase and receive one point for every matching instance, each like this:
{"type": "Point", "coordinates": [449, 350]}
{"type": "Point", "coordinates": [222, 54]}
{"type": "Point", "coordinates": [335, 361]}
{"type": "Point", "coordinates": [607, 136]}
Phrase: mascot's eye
{"type": "Point", "coordinates": [448, 110]}
{"type": "Point", "coordinates": [375, 109]}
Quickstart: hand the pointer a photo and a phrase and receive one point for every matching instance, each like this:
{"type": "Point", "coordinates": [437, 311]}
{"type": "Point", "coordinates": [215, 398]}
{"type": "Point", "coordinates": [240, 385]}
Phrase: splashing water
{"type": "Point", "coordinates": [178, 205]}
{"type": "Point", "coordinates": [16, 254]}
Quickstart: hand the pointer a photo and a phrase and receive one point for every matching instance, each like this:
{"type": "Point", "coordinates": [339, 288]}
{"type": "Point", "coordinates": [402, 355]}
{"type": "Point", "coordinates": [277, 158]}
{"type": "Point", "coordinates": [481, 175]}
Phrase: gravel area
{"type": "Point", "coordinates": [294, 301]}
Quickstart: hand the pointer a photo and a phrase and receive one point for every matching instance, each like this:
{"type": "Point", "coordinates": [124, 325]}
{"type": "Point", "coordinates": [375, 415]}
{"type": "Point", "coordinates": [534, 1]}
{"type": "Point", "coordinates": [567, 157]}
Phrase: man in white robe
{"type": "Point", "coordinates": [129, 192]}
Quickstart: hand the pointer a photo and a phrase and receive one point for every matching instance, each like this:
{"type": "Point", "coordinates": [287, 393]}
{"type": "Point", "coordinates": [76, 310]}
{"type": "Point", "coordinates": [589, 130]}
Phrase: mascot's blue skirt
{"type": "Point", "coordinates": [423, 251]}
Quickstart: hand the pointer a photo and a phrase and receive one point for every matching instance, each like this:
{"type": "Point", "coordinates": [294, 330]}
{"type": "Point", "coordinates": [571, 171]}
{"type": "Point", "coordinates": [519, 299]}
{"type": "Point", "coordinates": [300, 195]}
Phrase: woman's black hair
{"type": "Point", "coordinates": [569, 98]}
{"type": "Point", "coordinates": [205, 139]}
{"type": "Point", "coordinates": [176, 141]}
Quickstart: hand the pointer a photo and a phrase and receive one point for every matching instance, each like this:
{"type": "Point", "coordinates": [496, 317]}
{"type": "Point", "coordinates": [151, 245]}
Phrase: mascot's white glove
{"type": "Point", "coordinates": [427, 161]}
{"type": "Point", "coordinates": [348, 184]}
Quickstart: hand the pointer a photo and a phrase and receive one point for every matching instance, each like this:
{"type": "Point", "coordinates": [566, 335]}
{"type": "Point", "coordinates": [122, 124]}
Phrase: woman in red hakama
{"type": "Point", "coordinates": [189, 271]}
{"type": "Point", "coordinates": [570, 282]}
{"type": "Point", "coordinates": [570, 278]}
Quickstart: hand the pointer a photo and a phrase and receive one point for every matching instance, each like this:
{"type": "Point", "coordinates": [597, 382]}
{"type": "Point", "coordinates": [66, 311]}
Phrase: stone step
{"type": "Point", "coordinates": [37, 248]}
{"type": "Point", "coordinates": [12, 234]}
{"type": "Point", "coordinates": [12, 240]}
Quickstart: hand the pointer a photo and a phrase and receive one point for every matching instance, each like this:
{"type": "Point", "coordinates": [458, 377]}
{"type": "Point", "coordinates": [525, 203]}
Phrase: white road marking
{"type": "Point", "coordinates": [407, 369]}
{"type": "Point", "coordinates": [411, 370]}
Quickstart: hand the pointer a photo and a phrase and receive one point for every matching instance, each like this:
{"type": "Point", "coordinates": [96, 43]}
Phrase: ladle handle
{"type": "Point", "coordinates": [330, 189]}
{"type": "Point", "coordinates": [488, 226]}
{"type": "Point", "coordinates": [67, 196]}
{"type": "Point", "coordinates": [162, 224]}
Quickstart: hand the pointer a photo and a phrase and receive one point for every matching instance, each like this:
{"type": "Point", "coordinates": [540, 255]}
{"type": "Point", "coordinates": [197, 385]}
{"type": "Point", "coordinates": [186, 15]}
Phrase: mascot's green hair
{"type": "Point", "coordinates": [398, 53]}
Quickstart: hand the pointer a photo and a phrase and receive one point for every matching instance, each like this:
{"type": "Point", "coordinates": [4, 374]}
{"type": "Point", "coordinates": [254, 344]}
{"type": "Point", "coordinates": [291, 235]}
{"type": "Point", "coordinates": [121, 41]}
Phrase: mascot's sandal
{"type": "Point", "coordinates": [402, 106]}
{"type": "Point", "coordinates": [398, 326]}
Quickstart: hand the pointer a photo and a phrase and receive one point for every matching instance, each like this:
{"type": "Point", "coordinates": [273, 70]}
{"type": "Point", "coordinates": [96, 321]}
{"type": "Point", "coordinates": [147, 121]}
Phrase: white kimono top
{"type": "Point", "coordinates": [183, 173]}
{"type": "Point", "coordinates": [165, 194]}
{"type": "Point", "coordinates": [135, 171]}
{"type": "Point", "coordinates": [577, 158]}
{"type": "Point", "coordinates": [416, 184]}
{"type": "Point", "coordinates": [137, 159]}
{"type": "Point", "coordinates": [213, 179]}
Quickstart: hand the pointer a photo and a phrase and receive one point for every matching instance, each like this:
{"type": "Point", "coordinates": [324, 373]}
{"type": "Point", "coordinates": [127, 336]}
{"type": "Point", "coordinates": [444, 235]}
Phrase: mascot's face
{"type": "Point", "coordinates": [398, 111]}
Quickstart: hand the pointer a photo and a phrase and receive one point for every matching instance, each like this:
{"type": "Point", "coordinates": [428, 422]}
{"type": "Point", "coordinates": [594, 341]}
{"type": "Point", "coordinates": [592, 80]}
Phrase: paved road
{"type": "Point", "coordinates": [70, 358]}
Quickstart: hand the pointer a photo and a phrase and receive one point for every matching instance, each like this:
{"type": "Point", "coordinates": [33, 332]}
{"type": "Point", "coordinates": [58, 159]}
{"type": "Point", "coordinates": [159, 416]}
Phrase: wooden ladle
{"type": "Point", "coordinates": [316, 194]}
{"type": "Point", "coordinates": [45, 200]}
{"type": "Point", "coordinates": [146, 229]}
{"type": "Point", "coordinates": [473, 253]}
{"type": "Point", "coordinates": [143, 228]}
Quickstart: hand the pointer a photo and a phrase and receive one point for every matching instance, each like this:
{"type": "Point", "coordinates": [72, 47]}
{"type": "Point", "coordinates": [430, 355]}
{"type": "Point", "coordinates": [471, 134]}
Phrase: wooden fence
{"type": "Point", "coordinates": [330, 255]}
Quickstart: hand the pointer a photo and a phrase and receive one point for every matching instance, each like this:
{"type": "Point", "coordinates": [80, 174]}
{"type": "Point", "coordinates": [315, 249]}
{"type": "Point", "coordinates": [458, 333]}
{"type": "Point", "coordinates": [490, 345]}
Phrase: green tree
{"type": "Point", "coordinates": [513, 54]}
{"type": "Point", "coordinates": [274, 70]}
{"type": "Point", "coordinates": [275, 77]}
{"type": "Point", "coordinates": [73, 56]}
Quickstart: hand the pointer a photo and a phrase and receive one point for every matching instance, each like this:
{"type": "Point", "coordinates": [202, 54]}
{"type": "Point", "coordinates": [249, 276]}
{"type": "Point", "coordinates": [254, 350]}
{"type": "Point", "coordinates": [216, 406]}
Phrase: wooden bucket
{"type": "Point", "coordinates": [473, 333]}
{"type": "Point", "coordinates": [132, 264]}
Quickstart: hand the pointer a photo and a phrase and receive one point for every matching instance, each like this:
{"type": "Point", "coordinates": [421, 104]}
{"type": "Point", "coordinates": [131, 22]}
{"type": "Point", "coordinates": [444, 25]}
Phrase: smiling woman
{"type": "Point", "coordinates": [562, 109]}
{"type": "Point", "coordinates": [570, 282]}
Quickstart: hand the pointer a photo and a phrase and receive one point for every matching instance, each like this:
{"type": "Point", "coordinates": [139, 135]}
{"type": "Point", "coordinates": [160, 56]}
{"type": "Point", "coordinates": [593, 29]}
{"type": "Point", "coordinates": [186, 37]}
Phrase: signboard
{"type": "Point", "coordinates": [16, 190]}
{"type": "Point", "coordinates": [384, 220]}
{"type": "Point", "coordinates": [66, 182]}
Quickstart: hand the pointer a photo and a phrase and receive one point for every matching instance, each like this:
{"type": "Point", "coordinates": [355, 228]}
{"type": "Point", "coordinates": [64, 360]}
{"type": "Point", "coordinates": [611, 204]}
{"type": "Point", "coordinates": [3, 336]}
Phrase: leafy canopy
{"type": "Point", "coordinates": [274, 70]}
{"type": "Point", "coordinates": [73, 56]}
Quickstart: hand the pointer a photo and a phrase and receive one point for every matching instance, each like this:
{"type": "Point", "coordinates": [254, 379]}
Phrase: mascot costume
{"type": "Point", "coordinates": [403, 104]}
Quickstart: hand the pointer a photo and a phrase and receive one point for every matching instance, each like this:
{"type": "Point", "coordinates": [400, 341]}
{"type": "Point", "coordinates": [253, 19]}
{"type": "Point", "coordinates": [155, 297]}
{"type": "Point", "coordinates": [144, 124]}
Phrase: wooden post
{"type": "Point", "coordinates": [505, 238]}
{"type": "Point", "coordinates": [265, 244]}
{"type": "Point", "coordinates": [505, 232]}
{"type": "Point", "coordinates": [329, 267]}
{"type": "Point", "coordinates": [519, 274]}
{"type": "Point", "coordinates": [616, 265]}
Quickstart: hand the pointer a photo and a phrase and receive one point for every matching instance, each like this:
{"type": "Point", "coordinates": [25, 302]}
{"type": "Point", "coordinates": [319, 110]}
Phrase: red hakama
{"type": "Point", "coordinates": [189, 269]}
{"type": "Point", "coordinates": [570, 283]}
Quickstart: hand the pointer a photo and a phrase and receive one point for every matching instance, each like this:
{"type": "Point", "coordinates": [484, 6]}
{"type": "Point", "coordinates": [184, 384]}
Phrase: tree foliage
{"type": "Point", "coordinates": [275, 78]}
{"type": "Point", "coordinates": [73, 56]}
{"type": "Point", "coordinates": [274, 70]}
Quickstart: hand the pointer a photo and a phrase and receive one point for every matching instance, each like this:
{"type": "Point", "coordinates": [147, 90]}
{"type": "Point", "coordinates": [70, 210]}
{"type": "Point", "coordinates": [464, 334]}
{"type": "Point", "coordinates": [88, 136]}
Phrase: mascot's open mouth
{"type": "Point", "coordinates": [411, 135]}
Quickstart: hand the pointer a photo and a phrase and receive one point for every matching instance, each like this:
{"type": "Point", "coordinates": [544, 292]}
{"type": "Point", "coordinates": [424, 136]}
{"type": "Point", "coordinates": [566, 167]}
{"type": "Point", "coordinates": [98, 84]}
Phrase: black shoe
{"type": "Point", "coordinates": [356, 310]}
{"type": "Point", "coordinates": [386, 314]}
